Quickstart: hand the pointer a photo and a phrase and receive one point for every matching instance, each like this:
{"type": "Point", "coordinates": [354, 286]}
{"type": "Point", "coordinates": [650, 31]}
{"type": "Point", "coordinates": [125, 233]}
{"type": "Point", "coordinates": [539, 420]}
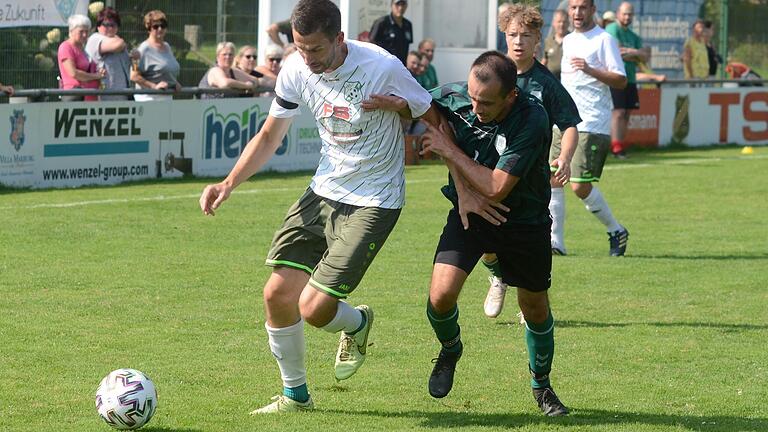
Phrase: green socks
{"type": "Point", "coordinates": [493, 267]}
{"type": "Point", "coordinates": [540, 339]}
{"type": "Point", "coordinates": [446, 328]}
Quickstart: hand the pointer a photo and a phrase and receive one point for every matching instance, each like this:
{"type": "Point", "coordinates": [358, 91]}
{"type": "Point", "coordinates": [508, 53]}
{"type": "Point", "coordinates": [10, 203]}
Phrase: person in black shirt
{"type": "Point", "coordinates": [394, 32]}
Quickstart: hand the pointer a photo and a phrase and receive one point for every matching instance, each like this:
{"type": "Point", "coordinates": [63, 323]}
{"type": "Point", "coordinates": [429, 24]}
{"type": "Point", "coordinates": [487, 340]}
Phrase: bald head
{"type": "Point", "coordinates": [625, 14]}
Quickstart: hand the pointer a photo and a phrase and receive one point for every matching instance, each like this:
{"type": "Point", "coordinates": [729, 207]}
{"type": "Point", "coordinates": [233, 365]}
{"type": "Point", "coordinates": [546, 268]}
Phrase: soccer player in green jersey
{"type": "Point", "coordinates": [495, 140]}
{"type": "Point", "coordinates": [522, 25]}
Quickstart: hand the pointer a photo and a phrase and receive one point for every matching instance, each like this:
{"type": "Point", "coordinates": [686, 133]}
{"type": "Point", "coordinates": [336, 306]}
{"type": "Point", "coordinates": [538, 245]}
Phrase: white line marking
{"type": "Point", "coordinates": [440, 180]}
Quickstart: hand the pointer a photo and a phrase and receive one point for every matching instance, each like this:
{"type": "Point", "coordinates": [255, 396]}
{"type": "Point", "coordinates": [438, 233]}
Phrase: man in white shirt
{"type": "Point", "coordinates": [590, 67]}
{"type": "Point", "coordinates": [332, 233]}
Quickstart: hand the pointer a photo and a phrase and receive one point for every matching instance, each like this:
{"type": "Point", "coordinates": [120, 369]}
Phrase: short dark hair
{"type": "Point", "coordinates": [416, 54]}
{"type": "Point", "coordinates": [108, 14]}
{"type": "Point", "coordinates": [311, 16]}
{"type": "Point", "coordinates": [492, 64]}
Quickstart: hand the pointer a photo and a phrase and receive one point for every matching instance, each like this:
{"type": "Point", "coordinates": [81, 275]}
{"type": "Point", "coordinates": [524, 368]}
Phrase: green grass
{"type": "Point", "coordinates": [672, 337]}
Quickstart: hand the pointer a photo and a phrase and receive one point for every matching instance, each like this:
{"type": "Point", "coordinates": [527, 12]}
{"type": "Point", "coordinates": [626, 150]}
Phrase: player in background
{"type": "Point", "coordinates": [333, 232]}
{"type": "Point", "coordinates": [591, 66]}
{"type": "Point", "coordinates": [522, 25]}
{"type": "Point", "coordinates": [498, 156]}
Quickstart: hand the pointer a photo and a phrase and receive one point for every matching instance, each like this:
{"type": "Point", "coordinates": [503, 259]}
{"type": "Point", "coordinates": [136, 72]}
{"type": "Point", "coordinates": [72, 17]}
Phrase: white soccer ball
{"type": "Point", "coordinates": [126, 399]}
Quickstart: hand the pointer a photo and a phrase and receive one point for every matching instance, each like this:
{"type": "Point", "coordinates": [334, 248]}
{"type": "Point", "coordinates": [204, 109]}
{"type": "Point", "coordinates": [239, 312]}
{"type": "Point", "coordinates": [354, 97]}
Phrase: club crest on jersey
{"type": "Point", "coordinates": [501, 144]}
{"type": "Point", "coordinates": [353, 92]}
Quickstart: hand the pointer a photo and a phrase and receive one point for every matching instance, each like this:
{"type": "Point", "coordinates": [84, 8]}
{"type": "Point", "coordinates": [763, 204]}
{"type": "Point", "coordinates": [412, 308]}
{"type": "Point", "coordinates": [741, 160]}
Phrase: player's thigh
{"type": "Point", "coordinates": [457, 253]}
{"type": "Point", "coordinates": [525, 258]}
{"type": "Point", "coordinates": [555, 147]}
{"type": "Point", "coordinates": [300, 242]}
{"type": "Point", "coordinates": [355, 236]}
{"type": "Point", "coordinates": [589, 158]}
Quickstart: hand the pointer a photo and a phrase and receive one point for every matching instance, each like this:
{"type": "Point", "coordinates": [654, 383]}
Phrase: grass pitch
{"type": "Point", "coordinates": [672, 337]}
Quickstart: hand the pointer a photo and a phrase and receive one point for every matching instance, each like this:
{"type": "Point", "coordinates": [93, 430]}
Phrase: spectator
{"type": "Point", "coordinates": [157, 68]}
{"type": "Point", "coordinates": [290, 49]}
{"type": "Point", "coordinates": [223, 75]}
{"type": "Point", "coordinates": [394, 32]}
{"type": "Point", "coordinates": [553, 44]}
{"type": "Point", "coordinates": [245, 60]}
{"type": "Point", "coordinates": [609, 17]}
{"type": "Point", "coordinates": [273, 58]}
{"type": "Point", "coordinates": [695, 61]}
{"type": "Point", "coordinates": [626, 99]}
{"type": "Point", "coordinates": [280, 28]}
{"type": "Point", "coordinates": [428, 79]}
{"type": "Point", "coordinates": [76, 70]}
{"type": "Point", "coordinates": [741, 71]}
{"type": "Point", "coordinates": [413, 63]}
{"type": "Point", "coordinates": [713, 58]}
{"type": "Point", "coordinates": [110, 52]}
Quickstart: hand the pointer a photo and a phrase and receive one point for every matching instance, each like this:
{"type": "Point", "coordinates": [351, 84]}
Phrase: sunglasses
{"type": "Point", "coordinates": [250, 56]}
{"type": "Point", "coordinates": [159, 26]}
{"type": "Point", "coordinates": [109, 24]}
{"type": "Point", "coordinates": [275, 59]}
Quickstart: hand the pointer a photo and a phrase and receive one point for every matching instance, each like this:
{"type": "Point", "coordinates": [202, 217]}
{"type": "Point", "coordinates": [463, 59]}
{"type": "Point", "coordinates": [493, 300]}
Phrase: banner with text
{"type": "Point", "coordinates": [53, 13]}
{"type": "Point", "coordinates": [706, 116]}
{"type": "Point", "coordinates": [88, 143]}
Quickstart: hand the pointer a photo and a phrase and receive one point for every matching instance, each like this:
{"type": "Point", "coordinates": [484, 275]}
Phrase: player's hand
{"type": "Point", "coordinates": [384, 103]}
{"type": "Point", "coordinates": [436, 141]}
{"type": "Point", "coordinates": [473, 202]}
{"type": "Point", "coordinates": [580, 64]}
{"type": "Point", "coordinates": [212, 197]}
{"type": "Point", "coordinates": [563, 172]}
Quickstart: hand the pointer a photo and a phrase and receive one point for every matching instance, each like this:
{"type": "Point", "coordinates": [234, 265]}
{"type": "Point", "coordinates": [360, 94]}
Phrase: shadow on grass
{"type": "Point", "coordinates": [578, 418]}
{"type": "Point", "coordinates": [717, 326]}
{"type": "Point", "coordinates": [755, 256]}
{"type": "Point", "coordinates": [168, 429]}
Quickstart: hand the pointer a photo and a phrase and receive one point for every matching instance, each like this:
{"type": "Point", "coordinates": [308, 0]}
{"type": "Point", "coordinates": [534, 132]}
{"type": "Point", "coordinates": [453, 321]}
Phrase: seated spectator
{"type": "Point", "coordinates": [428, 79]}
{"type": "Point", "coordinates": [76, 70]}
{"type": "Point", "coordinates": [273, 58]}
{"type": "Point", "coordinates": [245, 60]}
{"type": "Point", "coordinates": [157, 67]}
{"type": "Point", "coordinates": [223, 75]}
{"type": "Point", "coordinates": [413, 63]}
{"type": "Point", "coordinates": [741, 71]}
{"type": "Point", "coordinates": [110, 52]}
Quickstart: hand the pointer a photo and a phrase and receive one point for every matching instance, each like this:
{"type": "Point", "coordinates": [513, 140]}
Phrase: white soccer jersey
{"type": "Point", "coordinates": [593, 97]}
{"type": "Point", "coordinates": [362, 157]}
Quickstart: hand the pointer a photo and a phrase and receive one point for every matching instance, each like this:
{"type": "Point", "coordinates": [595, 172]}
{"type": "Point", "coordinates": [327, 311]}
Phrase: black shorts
{"type": "Point", "coordinates": [524, 251]}
{"type": "Point", "coordinates": [626, 98]}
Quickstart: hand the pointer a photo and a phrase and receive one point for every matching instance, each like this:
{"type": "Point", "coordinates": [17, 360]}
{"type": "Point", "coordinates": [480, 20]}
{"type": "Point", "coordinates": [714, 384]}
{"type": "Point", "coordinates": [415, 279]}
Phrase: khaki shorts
{"type": "Point", "coordinates": [332, 241]}
{"type": "Point", "coordinates": [589, 158]}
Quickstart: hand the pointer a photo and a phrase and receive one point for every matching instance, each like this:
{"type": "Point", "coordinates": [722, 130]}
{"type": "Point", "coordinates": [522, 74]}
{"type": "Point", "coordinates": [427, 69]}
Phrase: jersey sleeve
{"type": "Point", "coordinates": [524, 146]}
{"type": "Point", "coordinates": [287, 91]}
{"type": "Point", "coordinates": [613, 61]}
{"type": "Point", "coordinates": [401, 83]}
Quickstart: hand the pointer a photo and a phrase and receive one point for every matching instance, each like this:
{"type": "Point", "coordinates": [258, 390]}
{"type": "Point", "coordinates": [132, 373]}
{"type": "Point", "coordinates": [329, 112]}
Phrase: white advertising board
{"type": "Point", "coordinates": [100, 143]}
{"type": "Point", "coordinates": [53, 13]}
{"type": "Point", "coordinates": [706, 116]}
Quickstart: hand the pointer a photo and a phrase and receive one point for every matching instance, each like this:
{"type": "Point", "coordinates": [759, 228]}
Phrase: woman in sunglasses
{"type": "Point", "coordinates": [245, 60]}
{"type": "Point", "coordinates": [273, 59]}
{"type": "Point", "coordinates": [157, 67]}
{"type": "Point", "coordinates": [110, 52]}
{"type": "Point", "coordinates": [223, 75]}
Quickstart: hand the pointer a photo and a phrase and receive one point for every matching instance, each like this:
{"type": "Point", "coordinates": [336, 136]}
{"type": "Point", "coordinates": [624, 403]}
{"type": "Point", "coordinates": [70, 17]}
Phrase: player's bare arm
{"type": "Point", "coordinates": [568, 145]}
{"type": "Point", "coordinates": [470, 201]}
{"type": "Point", "coordinates": [612, 79]}
{"type": "Point", "coordinates": [492, 184]}
{"type": "Point", "coordinates": [388, 103]}
{"type": "Point", "coordinates": [258, 151]}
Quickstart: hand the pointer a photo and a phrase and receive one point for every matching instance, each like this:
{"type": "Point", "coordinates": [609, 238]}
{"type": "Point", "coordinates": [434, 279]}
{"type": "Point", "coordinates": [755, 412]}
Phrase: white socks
{"type": "Point", "coordinates": [287, 345]}
{"type": "Point", "coordinates": [347, 318]}
{"type": "Point", "coordinates": [596, 204]}
{"type": "Point", "coordinates": [557, 210]}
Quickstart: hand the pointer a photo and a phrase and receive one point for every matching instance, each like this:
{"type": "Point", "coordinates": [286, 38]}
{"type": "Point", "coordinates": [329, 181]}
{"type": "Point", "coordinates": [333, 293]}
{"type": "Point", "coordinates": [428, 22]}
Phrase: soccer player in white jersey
{"type": "Point", "coordinates": [591, 66]}
{"type": "Point", "coordinates": [332, 233]}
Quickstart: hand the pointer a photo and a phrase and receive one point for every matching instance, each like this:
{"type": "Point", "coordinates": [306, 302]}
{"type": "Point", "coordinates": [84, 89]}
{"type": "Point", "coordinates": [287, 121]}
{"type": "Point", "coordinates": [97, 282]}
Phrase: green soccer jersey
{"type": "Point", "coordinates": [627, 39]}
{"type": "Point", "coordinates": [518, 145]}
{"type": "Point", "coordinates": [539, 82]}
{"type": "Point", "coordinates": [428, 79]}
